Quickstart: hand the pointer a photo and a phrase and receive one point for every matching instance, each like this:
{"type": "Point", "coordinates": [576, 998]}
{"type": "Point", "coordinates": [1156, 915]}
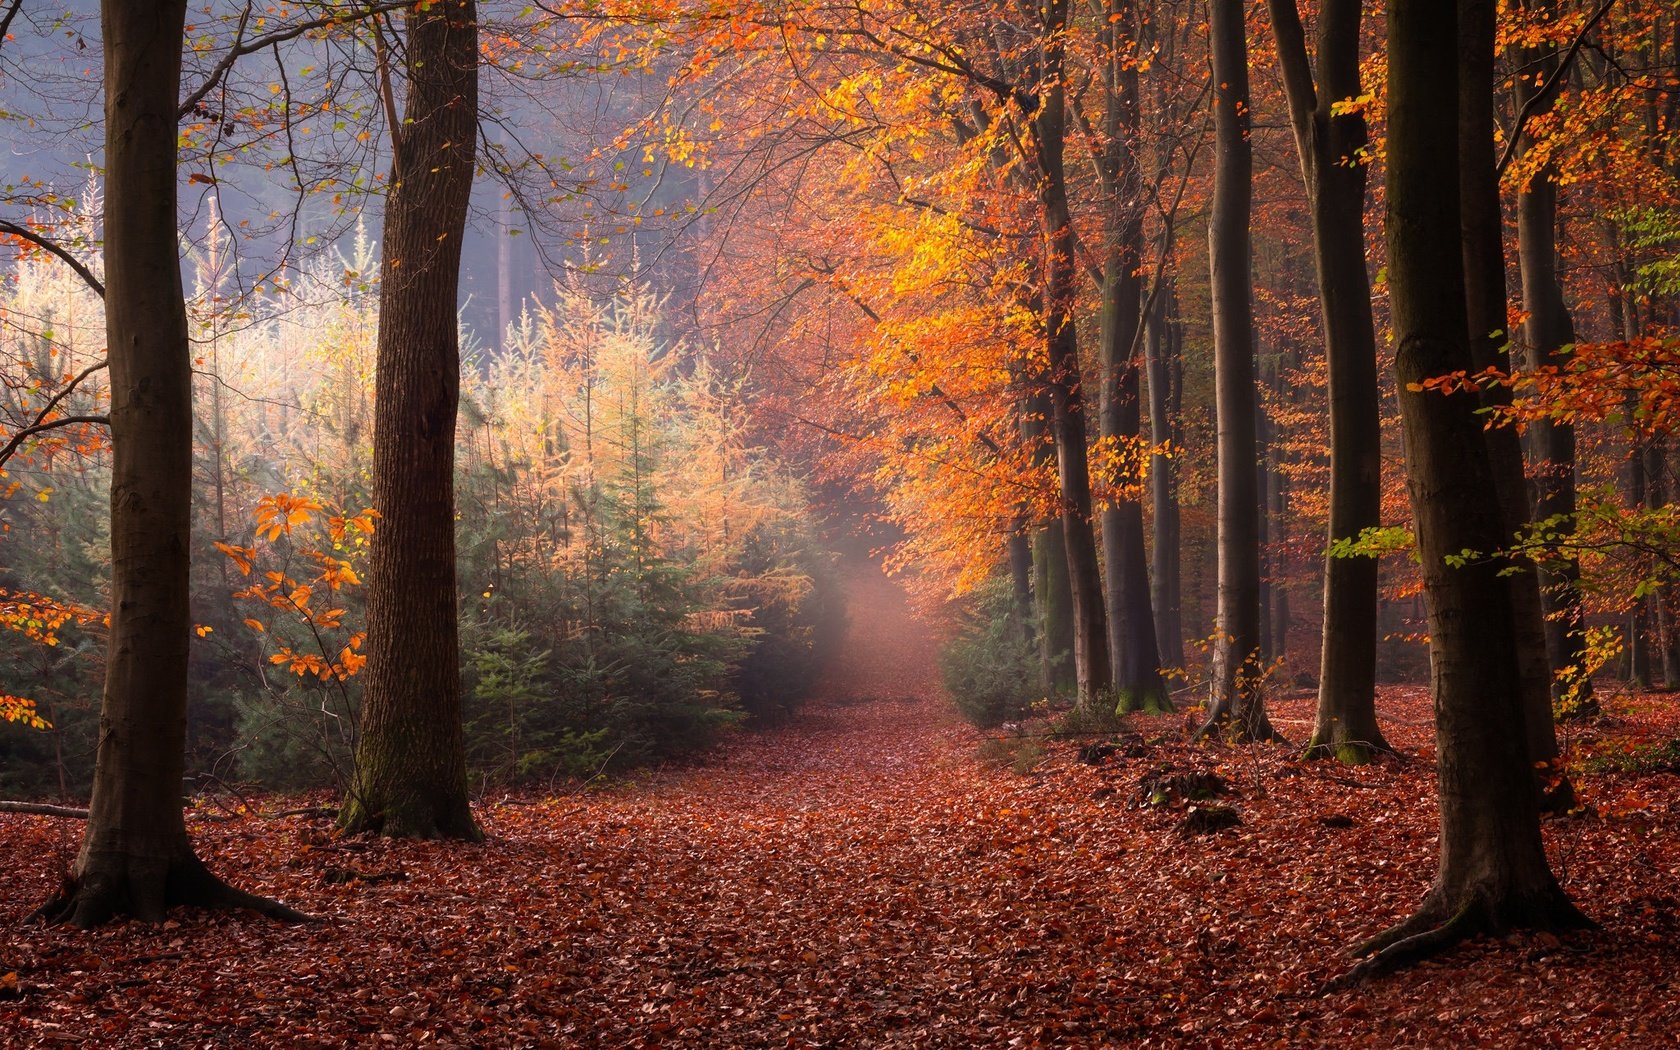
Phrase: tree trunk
{"type": "Point", "coordinates": [410, 777]}
{"type": "Point", "coordinates": [1237, 706]}
{"type": "Point", "coordinates": [1330, 146]}
{"type": "Point", "coordinates": [1019, 549]}
{"type": "Point", "coordinates": [1548, 329]}
{"type": "Point", "coordinates": [1483, 252]}
{"type": "Point", "coordinates": [1051, 594]}
{"type": "Point", "coordinates": [1133, 652]}
{"type": "Point", "coordinates": [135, 856]}
{"type": "Point", "coordinates": [1493, 873]}
{"type": "Point", "coordinates": [1067, 400]}
{"type": "Point", "coordinates": [1166, 581]}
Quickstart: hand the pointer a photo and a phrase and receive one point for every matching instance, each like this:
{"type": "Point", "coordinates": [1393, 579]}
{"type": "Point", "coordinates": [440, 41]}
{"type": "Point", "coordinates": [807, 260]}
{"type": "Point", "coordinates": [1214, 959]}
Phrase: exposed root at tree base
{"type": "Point", "coordinates": [410, 822]}
{"type": "Point", "coordinates": [1233, 730]}
{"type": "Point", "coordinates": [1347, 752]}
{"type": "Point", "coordinates": [147, 892]}
{"type": "Point", "coordinates": [1432, 931]}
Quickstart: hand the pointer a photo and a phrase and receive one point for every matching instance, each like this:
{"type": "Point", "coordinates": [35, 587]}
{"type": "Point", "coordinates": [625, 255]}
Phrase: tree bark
{"type": "Point", "coordinates": [1166, 581]}
{"type": "Point", "coordinates": [1547, 331]}
{"type": "Point", "coordinates": [410, 777]}
{"type": "Point", "coordinates": [1092, 671]}
{"type": "Point", "coordinates": [1331, 147]}
{"type": "Point", "coordinates": [1493, 873]}
{"type": "Point", "coordinates": [1052, 597]}
{"type": "Point", "coordinates": [1483, 252]}
{"type": "Point", "coordinates": [1133, 652]}
{"type": "Point", "coordinates": [1237, 704]}
{"type": "Point", "coordinates": [135, 857]}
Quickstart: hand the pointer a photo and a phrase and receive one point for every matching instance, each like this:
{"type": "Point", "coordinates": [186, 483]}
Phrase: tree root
{"type": "Point", "coordinates": [147, 891]}
{"type": "Point", "coordinates": [1409, 943]}
{"type": "Point", "coordinates": [1427, 934]}
{"type": "Point", "coordinates": [1347, 752]}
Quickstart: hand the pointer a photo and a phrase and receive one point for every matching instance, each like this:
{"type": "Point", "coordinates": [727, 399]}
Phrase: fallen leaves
{"type": "Point", "coordinates": [860, 879]}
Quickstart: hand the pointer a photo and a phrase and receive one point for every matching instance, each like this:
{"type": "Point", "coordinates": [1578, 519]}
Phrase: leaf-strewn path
{"type": "Point", "coordinates": [860, 879]}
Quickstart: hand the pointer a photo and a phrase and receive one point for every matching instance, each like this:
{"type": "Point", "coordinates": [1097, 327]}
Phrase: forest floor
{"type": "Point", "coordinates": [862, 877]}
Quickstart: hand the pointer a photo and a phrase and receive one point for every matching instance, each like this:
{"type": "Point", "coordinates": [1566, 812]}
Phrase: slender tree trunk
{"type": "Point", "coordinates": [1624, 321]}
{"type": "Point", "coordinates": [1277, 523]}
{"type": "Point", "coordinates": [1331, 145]}
{"type": "Point", "coordinates": [1484, 275]}
{"type": "Point", "coordinates": [1237, 705]}
{"type": "Point", "coordinates": [135, 856]}
{"type": "Point", "coordinates": [1165, 578]}
{"type": "Point", "coordinates": [411, 777]}
{"type": "Point", "coordinates": [1052, 597]}
{"type": "Point", "coordinates": [1067, 399]}
{"type": "Point", "coordinates": [1493, 873]}
{"type": "Point", "coordinates": [1133, 651]}
{"type": "Point", "coordinates": [1020, 582]}
{"type": "Point", "coordinates": [1547, 331]}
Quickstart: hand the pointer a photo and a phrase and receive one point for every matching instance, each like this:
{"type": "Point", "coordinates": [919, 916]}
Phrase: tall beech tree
{"type": "Point", "coordinates": [1237, 705]}
{"type": "Point", "coordinates": [1547, 331]}
{"type": "Point", "coordinates": [1330, 139]}
{"type": "Point", "coordinates": [135, 856]}
{"type": "Point", "coordinates": [1068, 413]}
{"type": "Point", "coordinates": [1483, 247]}
{"type": "Point", "coordinates": [411, 777]}
{"type": "Point", "coordinates": [1493, 874]}
{"type": "Point", "coordinates": [1164, 354]}
{"type": "Point", "coordinates": [1133, 651]}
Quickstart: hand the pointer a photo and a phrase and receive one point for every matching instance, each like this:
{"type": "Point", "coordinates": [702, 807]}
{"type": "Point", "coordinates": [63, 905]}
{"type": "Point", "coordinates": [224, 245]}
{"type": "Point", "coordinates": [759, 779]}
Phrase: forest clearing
{"type": "Point", "coordinates": [861, 878]}
{"type": "Point", "coordinates": [839, 522]}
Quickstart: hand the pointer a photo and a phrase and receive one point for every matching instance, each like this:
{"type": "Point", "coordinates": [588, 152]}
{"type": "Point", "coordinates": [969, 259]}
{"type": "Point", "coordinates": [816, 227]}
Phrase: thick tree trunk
{"type": "Point", "coordinates": [1330, 145]}
{"type": "Point", "coordinates": [410, 777]}
{"type": "Point", "coordinates": [1166, 582]}
{"type": "Point", "coordinates": [1237, 703]}
{"type": "Point", "coordinates": [1483, 252]}
{"type": "Point", "coordinates": [1068, 421]}
{"type": "Point", "coordinates": [1133, 651]}
{"type": "Point", "coordinates": [135, 857]}
{"type": "Point", "coordinates": [1493, 873]}
{"type": "Point", "coordinates": [1548, 329]}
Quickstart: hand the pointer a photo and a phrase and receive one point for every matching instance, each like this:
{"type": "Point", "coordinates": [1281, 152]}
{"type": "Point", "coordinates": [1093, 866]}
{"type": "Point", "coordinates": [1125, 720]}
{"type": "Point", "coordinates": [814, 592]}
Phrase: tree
{"type": "Point", "coordinates": [1238, 704]}
{"type": "Point", "coordinates": [1547, 332]}
{"type": "Point", "coordinates": [1483, 248]}
{"type": "Point", "coordinates": [135, 856]}
{"type": "Point", "coordinates": [1133, 651]}
{"type": "Point", "coordinates": [410, 777]}
{"type": "Point", "coordinates": [1330, 137]}
{"type": "Point", "coordinates": [1493, 874]}
{"type": "Point", "coordinates": [1067, 400]}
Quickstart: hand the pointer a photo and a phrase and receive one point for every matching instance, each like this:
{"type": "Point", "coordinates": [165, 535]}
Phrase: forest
{"type": "Point", "coordinates": [817, 523]}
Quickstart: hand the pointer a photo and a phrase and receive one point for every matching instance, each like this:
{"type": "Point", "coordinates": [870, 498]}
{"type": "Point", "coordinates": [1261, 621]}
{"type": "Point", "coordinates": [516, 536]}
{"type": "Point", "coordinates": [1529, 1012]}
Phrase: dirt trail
{"type": "Point", "coordinates": [855, 879]}
{"type": "Point", "coordinates": [878, 715]}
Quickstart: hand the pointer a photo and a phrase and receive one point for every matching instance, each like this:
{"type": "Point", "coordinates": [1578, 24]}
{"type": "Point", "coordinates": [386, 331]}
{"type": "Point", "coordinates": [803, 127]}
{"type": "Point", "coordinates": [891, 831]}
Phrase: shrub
{"type": "Point", "coordinates": [991, 669]}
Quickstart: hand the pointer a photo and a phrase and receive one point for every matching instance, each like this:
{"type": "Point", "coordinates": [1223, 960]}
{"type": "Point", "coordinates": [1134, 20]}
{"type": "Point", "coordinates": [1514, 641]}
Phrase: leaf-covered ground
{"type": "Point", "coordinates": [862, 878]}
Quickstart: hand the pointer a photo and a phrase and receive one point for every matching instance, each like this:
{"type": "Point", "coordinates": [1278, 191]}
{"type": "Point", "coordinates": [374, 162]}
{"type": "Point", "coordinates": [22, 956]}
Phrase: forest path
{"type": "Point", "coordinates": [857, 878]}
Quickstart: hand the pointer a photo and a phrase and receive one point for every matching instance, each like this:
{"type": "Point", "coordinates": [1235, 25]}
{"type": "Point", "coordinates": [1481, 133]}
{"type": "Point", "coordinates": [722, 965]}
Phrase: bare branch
{"type": "Point", "coordinates": [242, 47]}
{"type": "Point", "coordinates": [1548, 89]}
{"type": "Point", "coordinates": [52, 247]}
